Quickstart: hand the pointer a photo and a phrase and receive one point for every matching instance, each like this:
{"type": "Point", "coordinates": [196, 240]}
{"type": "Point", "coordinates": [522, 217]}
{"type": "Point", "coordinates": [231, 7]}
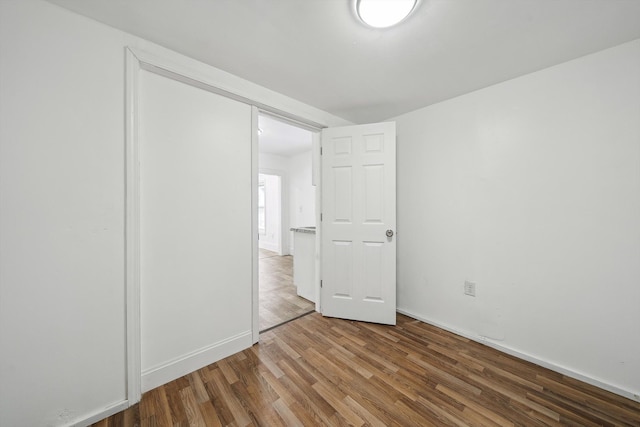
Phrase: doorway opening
{"type": "Point", "coordinates": [286, 201]}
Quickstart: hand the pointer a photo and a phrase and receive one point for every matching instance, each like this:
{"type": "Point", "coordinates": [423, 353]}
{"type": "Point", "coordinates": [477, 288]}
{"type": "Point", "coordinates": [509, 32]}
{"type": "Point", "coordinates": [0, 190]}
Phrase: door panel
{"type": "Point", "coordinates": [342, 194]}
{"type": "Point", "coordinates": [195, 235]}
{"type": "Point", "coordinates": [359, 206]}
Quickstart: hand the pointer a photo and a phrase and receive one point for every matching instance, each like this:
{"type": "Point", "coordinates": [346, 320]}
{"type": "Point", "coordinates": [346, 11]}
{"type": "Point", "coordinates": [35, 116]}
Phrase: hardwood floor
{"type": "Point", "coordinates": [323, 371]}
{"type": "Point", "coordinates": [279, 301]}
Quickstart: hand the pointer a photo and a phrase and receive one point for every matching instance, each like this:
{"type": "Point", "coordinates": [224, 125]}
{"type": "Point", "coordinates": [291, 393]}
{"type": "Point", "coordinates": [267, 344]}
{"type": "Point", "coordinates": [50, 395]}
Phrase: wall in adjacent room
{"type": "Point", "coordinates": [279, 165]}
{"type": "Point", "coordinates": [272, 236]}
{"type": "Point", "coordinates": [299, 207]}
{"type": "Point", "coordinates": [273, 162]}
{"type": "Point", "coordinates": [531, 190]}
{"type": "Point", "coordinates": [302, 195]}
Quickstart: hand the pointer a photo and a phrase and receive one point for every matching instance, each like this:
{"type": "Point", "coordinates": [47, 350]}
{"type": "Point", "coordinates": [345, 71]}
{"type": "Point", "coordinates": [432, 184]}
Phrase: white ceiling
{"type": "Point", "coordinates": [317, 51]}
{"type": "Point", "coordinates": [281, 138]}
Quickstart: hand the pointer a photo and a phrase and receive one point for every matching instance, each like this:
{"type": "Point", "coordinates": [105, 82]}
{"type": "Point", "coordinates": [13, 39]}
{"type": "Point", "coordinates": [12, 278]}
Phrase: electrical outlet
{"type": "Point", "coordinates": [469, 288]}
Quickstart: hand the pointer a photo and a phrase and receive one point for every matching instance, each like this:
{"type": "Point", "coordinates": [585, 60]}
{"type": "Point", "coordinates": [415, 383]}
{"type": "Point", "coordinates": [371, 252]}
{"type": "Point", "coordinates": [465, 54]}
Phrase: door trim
{"type": "Point", "coordinates": [184, 70]}
{"type": "Point", "coordinates": [132, 230]}
{"type": "Point", "coordinates": [255, 296]}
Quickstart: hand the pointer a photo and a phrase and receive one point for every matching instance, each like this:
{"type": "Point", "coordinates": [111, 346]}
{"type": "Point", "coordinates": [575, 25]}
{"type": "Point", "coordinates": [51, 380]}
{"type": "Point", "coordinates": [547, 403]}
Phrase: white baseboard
{"type": "Point", "coordinates": [556, 368]}
{"type": "Point", "coordinates": [307, 295]}
{"type": "Point", "coordinates": [268, 246]}
{"type": "Point", "coordinates": [176, 368]}
{"type": "Point", "coordinates": [100, 415]}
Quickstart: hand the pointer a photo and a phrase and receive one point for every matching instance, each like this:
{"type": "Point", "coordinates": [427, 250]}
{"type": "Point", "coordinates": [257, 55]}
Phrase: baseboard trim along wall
{"type": "Point", "coordinates": [268, 246]}
{"type": "Point", "coordinates": [159, 375]}
{"type": "Point", "coordinates": [527, 357]}
{"type": "Point", "coordinates": [100, 415]}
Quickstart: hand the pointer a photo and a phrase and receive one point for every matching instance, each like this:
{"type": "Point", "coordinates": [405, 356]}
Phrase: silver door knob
{"type": "Point", "coordinates": [389, 233]}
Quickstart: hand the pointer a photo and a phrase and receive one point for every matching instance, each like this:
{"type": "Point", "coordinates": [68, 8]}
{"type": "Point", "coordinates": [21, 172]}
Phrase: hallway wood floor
{"type": "Point", "coordinates": [322, 371]}
{"type": "Point", "coordinates": [279, 301]}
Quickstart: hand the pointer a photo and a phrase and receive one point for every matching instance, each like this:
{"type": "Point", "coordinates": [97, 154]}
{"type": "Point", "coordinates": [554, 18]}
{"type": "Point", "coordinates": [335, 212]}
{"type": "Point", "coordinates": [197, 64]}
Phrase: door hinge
{"type": "Point", "coordinates": [320, 216]}
{"type": "Point", "coordinates": [321, 151]}
{"type": "Point", "coordinates": [320, 283]}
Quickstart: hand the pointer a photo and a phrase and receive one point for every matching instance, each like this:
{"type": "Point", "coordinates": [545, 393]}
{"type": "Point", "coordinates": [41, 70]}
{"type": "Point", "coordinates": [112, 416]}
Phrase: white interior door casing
{"type": "Point", "coordinates": [358, 207]}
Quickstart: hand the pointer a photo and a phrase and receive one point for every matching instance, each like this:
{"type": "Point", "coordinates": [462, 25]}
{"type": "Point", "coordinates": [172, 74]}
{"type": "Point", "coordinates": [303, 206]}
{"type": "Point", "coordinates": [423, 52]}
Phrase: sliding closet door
{"type": "Point", "coordinates": [195, 223]}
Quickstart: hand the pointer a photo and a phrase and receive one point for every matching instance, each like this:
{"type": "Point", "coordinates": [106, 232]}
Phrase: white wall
{"type": "Point", "coordinates": [531, 189]}
{"type": "Point", "coordinates": [273, 162]}
{"type": "Point", "coordinates": [279, 165]}
{"type": "Point", "coordinates": [302, 194]}
{"type": "Point", "coordinates": [62, 221]}
{"type": "Point", "coordinates": [299, 201]}
{"type": "Point", "coordinates": [272, 235]}
{"type": "Point", "coordinates": [62, 312]}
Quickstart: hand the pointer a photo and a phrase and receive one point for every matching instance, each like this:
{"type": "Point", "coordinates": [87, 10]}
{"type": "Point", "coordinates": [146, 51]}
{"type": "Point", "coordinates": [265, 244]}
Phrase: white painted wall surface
{"type": "Point", "coordinates": [62, 210]}
{"type": "Point", "coordinates": [272, 236]}
{"type": "Point", "coordinates": [302, 194]}
{"type": "Point", "coordinates": [299, 198]}
{"type": "Point", "coordinates": [531, 189]}
{"type": "Point", "coordinates": [62, 216]}
{"type": "Point", "coordinates": [195, 244]}
{"type": "Point", "coordinates": [274, 164]}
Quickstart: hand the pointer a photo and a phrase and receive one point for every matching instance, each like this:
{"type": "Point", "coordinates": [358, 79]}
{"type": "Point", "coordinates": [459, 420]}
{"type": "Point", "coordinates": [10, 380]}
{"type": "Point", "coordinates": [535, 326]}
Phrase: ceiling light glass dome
{"type": "Point", "coordinates": [384, 13]}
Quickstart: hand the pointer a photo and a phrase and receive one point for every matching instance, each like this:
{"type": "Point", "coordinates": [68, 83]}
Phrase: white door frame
{"type": "Point", "coordinates": [184, 70]}
{"type": "Point", "coordinates": [317, 180]}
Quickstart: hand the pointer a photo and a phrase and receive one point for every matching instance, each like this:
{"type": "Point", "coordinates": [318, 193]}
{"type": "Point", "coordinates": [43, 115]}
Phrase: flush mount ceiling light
{"type": "Point", "coordinates": [384, 13]}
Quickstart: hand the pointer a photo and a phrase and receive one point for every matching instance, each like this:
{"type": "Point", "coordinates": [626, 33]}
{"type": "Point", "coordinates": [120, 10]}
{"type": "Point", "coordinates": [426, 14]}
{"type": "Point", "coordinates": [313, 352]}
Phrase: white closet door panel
{"type": "Point", "coordinates": [195, 187]}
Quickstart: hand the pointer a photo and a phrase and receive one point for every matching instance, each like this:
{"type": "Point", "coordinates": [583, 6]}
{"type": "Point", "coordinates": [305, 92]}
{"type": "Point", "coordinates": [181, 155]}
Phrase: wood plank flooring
{"type": "Point", "coordinates": [279, 301]}
{"type": "Point", "coordinates": [318, 371]}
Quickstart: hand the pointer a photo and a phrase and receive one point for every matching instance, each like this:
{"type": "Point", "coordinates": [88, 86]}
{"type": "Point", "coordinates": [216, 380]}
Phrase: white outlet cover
{"type": "Point", "coordinates": [469, 288]}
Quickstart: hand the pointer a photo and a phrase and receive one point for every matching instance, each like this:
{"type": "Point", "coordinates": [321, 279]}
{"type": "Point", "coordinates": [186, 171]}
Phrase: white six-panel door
{"type": "Point", "coordinates": [359, 223]}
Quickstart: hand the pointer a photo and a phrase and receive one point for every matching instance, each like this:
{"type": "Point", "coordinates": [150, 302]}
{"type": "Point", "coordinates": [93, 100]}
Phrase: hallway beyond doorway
{"type": "Point", "coordinates": [279, 301]}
